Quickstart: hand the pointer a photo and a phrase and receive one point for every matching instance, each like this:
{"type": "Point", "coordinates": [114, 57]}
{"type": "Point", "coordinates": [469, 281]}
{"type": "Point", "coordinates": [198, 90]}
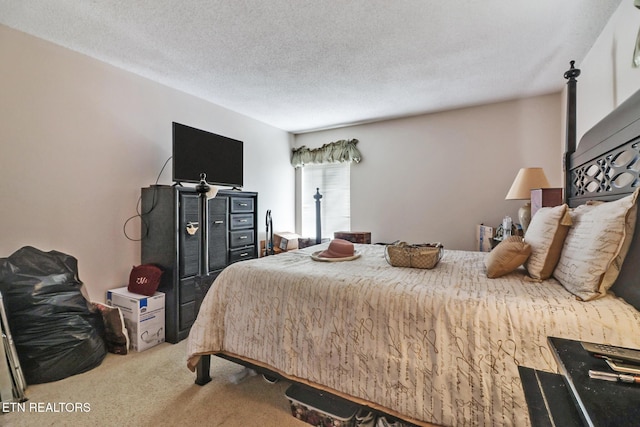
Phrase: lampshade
{"type": "Point", "coordinates": [526, 180]}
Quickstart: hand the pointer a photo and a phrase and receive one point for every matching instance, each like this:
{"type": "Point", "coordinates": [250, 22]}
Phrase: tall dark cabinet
{"type": "Point", "coordinates": [171, 239]}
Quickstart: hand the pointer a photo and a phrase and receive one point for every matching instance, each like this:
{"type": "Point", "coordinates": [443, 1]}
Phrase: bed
{"type": "Point", "coordinates": [441, 346]}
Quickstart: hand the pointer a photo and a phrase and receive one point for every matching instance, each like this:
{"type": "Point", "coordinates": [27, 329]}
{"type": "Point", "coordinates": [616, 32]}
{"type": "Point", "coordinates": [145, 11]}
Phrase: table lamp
{"type": "Point", "coordinates": [526, 180]}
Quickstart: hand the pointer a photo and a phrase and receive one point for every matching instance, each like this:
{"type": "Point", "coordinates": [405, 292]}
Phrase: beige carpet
{"type": "Point", "coordinates": [154, 388]}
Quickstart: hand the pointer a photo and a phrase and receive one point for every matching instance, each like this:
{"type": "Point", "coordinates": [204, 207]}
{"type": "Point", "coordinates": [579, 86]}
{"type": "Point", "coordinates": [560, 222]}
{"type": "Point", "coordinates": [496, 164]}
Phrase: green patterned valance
{"type": "Point", "coordinates": [333, 152]}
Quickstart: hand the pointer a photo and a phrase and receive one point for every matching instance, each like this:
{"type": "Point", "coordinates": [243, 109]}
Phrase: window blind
{"type": "Point", "coordinates": [333, 180]}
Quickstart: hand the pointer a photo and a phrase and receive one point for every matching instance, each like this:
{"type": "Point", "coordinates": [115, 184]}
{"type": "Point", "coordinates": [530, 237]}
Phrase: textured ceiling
{"type": "Point", "coordinates": [302, 65]}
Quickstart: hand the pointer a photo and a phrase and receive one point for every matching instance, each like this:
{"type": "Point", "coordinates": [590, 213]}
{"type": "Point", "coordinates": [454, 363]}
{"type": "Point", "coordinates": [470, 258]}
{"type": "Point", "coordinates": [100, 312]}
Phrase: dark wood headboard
{"type": "Point", "coordinates": [605, 167]}
{"type": "Point", "coordinates": [606, 163]}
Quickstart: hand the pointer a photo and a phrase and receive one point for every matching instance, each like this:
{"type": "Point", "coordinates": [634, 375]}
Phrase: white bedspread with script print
{"type": "Point", "coordinates": [439, 345]}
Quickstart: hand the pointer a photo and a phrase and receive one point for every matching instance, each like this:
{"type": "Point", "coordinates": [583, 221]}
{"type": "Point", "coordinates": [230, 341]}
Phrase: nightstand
{"type": "Point", "coordinates": [571, 398]}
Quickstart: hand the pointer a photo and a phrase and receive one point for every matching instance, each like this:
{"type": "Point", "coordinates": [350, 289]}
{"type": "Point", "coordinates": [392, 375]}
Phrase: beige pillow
{"type": "Point", "coordinates": [596, 246]}
{"type": "Point", "coordinates": [546, 234]}
{"type": "Point", "coordinates": [510, 254]}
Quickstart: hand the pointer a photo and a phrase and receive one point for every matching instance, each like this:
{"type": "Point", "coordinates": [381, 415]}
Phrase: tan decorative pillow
{"type": "Point", "coordinates": [596, 246]}
{"type": "Point", "coordinates": [510, 254]}
{"type": "Point", "coordinates": [546, 235]}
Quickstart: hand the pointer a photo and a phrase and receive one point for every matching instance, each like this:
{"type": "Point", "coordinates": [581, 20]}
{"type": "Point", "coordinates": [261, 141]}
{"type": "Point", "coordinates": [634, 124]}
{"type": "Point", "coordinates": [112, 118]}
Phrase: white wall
{"type": "Point", "coordinates": [411, 183]}
{"type": "Point", "coordinates": [434, 177]}
{"type": "Point", "coordinates": [607, 78]}
{"type": "Point", "coordinates": [79, 138]}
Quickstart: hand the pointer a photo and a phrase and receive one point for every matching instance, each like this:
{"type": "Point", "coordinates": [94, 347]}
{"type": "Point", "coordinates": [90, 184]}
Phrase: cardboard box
{"type": "Point", "coordinates": [544, 198]}
{"type": "Point", "coordinates": [285, 240]}
{"type": "Point", "coordinates": [143, 316]}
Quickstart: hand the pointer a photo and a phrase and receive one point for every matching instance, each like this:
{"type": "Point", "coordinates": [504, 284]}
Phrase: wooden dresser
{"type": "Point", "coordinates": [171, 240]}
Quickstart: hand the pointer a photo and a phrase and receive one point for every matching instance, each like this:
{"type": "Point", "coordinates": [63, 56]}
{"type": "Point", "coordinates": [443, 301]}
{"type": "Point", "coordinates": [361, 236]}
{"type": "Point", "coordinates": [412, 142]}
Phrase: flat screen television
{"type": "Point", "coordinates": [196, 151]}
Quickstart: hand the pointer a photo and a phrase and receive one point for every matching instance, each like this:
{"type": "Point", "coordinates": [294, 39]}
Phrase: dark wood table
{"type": "Point", "coordinates": [571, 398]}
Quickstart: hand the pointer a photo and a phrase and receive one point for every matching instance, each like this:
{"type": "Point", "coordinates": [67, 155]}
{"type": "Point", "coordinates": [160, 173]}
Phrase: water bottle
{"type": "Point", "coordinates": [506, 227]}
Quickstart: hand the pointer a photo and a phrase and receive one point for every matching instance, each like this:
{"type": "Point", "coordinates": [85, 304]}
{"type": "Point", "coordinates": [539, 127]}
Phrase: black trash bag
{"type": "Point", "coordinates": [56, 334]}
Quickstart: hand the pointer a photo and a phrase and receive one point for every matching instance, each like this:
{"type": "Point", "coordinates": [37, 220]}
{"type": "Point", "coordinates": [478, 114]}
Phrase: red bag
{"type": "Point", "coordinates": [144, 279]}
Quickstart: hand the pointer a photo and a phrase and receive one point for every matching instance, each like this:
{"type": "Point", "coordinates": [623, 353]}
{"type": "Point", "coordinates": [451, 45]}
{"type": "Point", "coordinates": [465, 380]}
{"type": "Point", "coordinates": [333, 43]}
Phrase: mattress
{"type": "Point", "coordinates": [439, 346]}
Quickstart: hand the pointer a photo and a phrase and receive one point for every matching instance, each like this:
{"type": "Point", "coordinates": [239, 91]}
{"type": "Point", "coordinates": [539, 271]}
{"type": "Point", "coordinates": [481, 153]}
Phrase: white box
{"type": "Point", "coordinates": [484, 238]}
{"type": "Point", "coordinates": [143, 316]}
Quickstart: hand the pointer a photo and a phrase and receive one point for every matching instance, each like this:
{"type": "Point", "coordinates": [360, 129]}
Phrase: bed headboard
{"type": "Point", "coordinates": [605, 166]}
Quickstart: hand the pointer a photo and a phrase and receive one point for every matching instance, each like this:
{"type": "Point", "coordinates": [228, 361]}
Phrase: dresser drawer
{"type": "Point", "coordinates": [238, 221]}
{"type": "Point", "coordinates": [187, 314]}
{"type": "Point", "coordinates": [242, 254]}
{"type": "Point", "coordinates": [189, 254]}
{"type": "Point", "coordinates": [241, 238]}
{"type": "Point", "coordinates": [241, 204]}
{"type": "Point", "coordinates": [187, 289]}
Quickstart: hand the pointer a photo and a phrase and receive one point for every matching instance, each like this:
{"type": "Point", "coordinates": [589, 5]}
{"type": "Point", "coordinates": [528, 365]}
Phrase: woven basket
{"type": "Point", "coordinates": [425, 255]}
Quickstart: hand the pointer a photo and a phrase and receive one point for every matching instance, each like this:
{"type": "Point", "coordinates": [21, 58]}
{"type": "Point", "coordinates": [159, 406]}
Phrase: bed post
{"type": "Point", "coordinates": [203, 375]}
{"type": "Point", "coordinates": [570, 146]}
{"type": "Point", "coordinates": [318, 196]}
{"type": "Point", "coordinates": [203, 280]}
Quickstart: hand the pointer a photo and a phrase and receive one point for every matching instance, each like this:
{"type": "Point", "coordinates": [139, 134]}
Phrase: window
{"type": "Point", "coordinates": [333, 180]}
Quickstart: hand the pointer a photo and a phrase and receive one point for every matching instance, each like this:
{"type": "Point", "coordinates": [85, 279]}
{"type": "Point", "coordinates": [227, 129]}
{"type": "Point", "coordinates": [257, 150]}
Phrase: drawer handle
{"type": "Point", "coordinates": [218, 222]}
{"type": "Point", "coordinates": [244, 205]}
{"type": "Point", "coordinates": [244, 254]}
{"type": "Point", "coordinates": [243, 220]}
{"type": "Point", "coordinates": [244, 237]}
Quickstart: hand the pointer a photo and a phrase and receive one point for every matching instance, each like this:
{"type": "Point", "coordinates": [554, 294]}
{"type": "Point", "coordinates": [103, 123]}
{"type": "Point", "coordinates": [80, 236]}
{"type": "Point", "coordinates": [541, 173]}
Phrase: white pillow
{"type": "Point", "coordinates": [546, 235]}
{"type": "Point", "coordinates": [595, 246]}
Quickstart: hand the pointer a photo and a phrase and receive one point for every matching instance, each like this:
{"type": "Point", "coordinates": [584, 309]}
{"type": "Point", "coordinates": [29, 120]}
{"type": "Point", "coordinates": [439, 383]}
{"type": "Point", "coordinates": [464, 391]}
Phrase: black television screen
{"type": "Point", "coordinates": [196, 151]}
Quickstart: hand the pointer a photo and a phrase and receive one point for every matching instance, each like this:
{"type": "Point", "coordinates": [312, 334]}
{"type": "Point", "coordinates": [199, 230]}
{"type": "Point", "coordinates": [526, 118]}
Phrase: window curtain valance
{"type": "Point", "coordinates": [333, 152]}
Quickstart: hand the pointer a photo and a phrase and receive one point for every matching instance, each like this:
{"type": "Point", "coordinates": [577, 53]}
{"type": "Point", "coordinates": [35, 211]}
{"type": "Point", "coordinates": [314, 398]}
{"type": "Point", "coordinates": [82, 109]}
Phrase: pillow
{"type": "Point", "coordinates": [144, 279]}
{"type": "Point", "coordinates": [596, 246]}
{"type": "Point", "coordinates": [546, 234]}
{"type": "Point", "coordinates": [510, 254]}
